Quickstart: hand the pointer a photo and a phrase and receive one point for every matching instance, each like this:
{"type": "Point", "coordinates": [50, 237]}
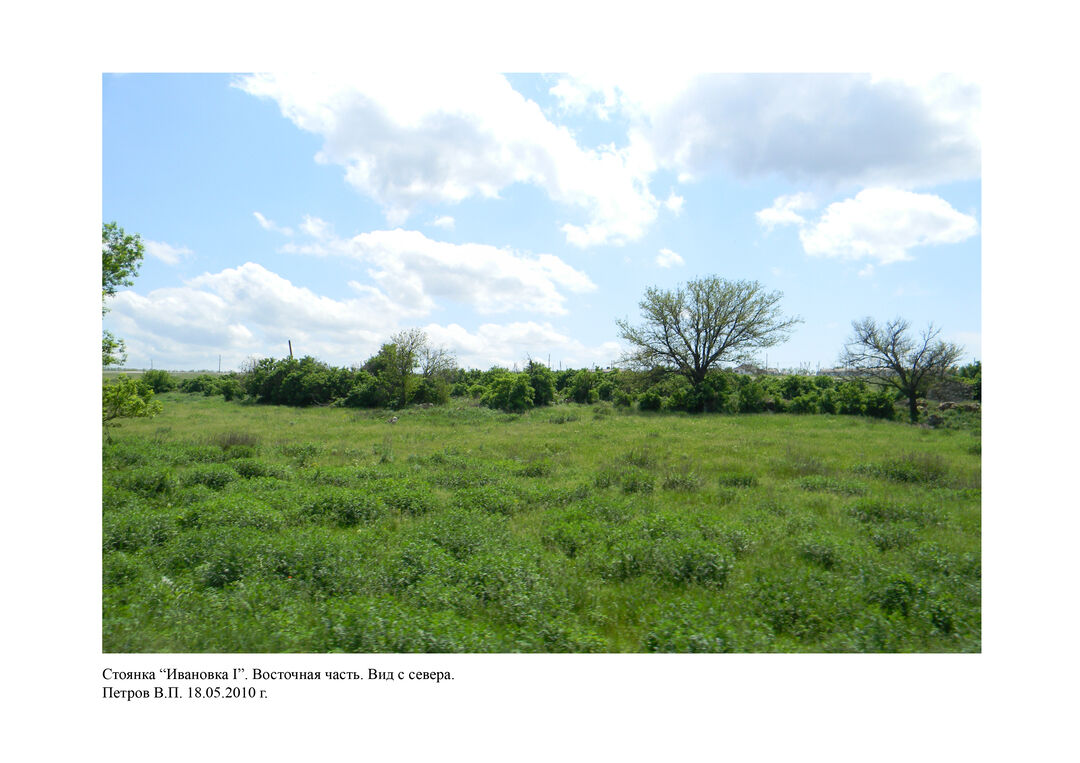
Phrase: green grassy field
{"type": "Point", "coordinates": [234, 527]}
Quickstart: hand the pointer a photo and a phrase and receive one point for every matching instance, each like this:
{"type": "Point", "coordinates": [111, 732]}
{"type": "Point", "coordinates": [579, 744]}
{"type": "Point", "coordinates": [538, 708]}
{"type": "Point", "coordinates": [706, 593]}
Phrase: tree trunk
{"type": "Point", "coordinates": [913, 408]}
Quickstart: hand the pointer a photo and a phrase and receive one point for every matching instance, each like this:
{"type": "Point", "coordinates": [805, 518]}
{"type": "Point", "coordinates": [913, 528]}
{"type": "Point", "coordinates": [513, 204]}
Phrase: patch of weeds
{"type": "Point", "coordinates": [725, 496]}
{"type": "Point", "coordinates": [643, 457]}
{"type": "Point", "coordinates": [539, 468]}
{"type": "Point", "coordinates": [690, 560]}
{"type": "Point", "coordinates": [897, 595]}
{"type": "Point", "coordinates": [147, 481]}
{"type": "Point", "coordinates": [345, 507]}
{"type": "Point", "coordinates": [820, 551]}
{"type": "Point", "coordinates": [321, 560]}
{"type": "Point", "coordinates": [739, 541]}
{"type": "Point", "coordinates": [938, 561]}
{"type": "Point", "coordinates": [918, 468]}
{"type": "Point", "coordinates": [214, 476]}
{"type": "Point", "coordinates": [486, 498]}
{"type": "Point", "coordinates": [832, 485]}
{"type": "Point", "coordinates": [250, 468]}
{"type": "Point", "coordinates": [224, 566]}
{"type": "Point", "coordinates": [233, 439]}
{"type": "Point", "coordinates": [736, 479]}
{"type": "Point", "coordinates": [874, 511]}
{"type": "Point", "coordinates": [891, 537]}
{"type": "Point", "coordinates": [798, 462]}
{"type": "Point", "coordinates": [119, 569]}
{"type": "Point", "coordinates": [363, 624]}
{"type": "Point", "coordinates": [303, 455]}
{"type": "Point", "coordinates": [195, 453]}
{"type": "Point", "coordinates": [461, 532]}
{"type": "Point", "coordinates": [571, 530]}
{"type": "Point", "coordinates": [792, 605]}
{"type": "Point", "coordinates": [685, 481]}
{"type": "Point", "coordinates": [233, 510]}
{"type": "Point", "coordinates": [563, 417]}
{"type": "Point", "coordinates": [405, 496]}
{"type": "Point", "coordinates": [136, 529]}
{"type": "Point", "coordinates": [630, 479]}
{"type": "Point", "coordinates": [694, 627]}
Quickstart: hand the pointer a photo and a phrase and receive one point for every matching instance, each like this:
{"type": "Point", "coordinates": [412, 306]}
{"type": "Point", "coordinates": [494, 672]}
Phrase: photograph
{"type": "Point", "coordinates": [541, 363]}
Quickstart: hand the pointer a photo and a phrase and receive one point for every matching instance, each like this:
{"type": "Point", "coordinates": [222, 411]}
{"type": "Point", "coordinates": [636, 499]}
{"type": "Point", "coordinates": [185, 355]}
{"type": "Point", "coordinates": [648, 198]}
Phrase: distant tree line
{"type": "Point", "coordinates": [674, 365]}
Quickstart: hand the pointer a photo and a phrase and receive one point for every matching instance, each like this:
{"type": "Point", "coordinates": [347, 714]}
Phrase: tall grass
{"type": "Point", "coordinates": [462, 529]}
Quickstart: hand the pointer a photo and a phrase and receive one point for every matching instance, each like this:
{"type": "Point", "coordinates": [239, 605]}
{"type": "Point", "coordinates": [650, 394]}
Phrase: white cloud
{"type": "Point", "coordinates": [668, 259]}
{"type": "Point", "coordinates": [882, 224]}
{"type": "Point", "coordinates": [446, 222]}
{"type": "Point", "coordinates": [413, 269]}
{"type": "Point", "coordinates": [829, 129]}
{"type": "Point", "coordinates": [506, 344]}
{"type": "Point", "coordinates": [167, 253]}
{"type": "Point", "coordinates": [674, 202]}
{"type": "Point", "coordinates": [581, 93]}
{"type": "Point", "coordinates": [316, 228]}
{"type": "Point", "coordinates": [271, 225]}
{"type": "Point", "coordinates": [444, 138]}
{"type": "Point", "coordinates": [249, 310]}
{"type": "Point", "coordinates": [783, 210]}
{"type": "Point", "coordinates": [834, 130]}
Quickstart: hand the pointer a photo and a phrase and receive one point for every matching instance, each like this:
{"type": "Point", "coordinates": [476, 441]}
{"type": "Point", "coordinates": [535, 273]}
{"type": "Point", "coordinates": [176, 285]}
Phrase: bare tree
{"type": "Point", "coordinates": [436, 361]}
{"type": "Point", "coordinates": [888, 354]}
{"type": "Point", "coordinates": [708, 320]}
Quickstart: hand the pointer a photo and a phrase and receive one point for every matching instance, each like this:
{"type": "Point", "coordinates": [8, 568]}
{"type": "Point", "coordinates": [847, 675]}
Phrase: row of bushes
{"type": "Point", "coordinates": [307, 382]}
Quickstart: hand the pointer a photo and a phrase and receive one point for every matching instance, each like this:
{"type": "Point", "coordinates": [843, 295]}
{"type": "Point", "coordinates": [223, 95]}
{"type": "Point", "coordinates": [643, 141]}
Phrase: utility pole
{"type": "Point", "coordinates": [290, 349]}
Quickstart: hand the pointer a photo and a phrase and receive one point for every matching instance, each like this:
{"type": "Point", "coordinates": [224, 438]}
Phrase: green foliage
{"type": "Point", "coordinates": [697, 325]}
{"type": "Point", "coordinates": [249, 529]}
{"type": "Point", "coordinates": [542, 381]}
{"type": "Point", "coordinates": [509, 392]}
{"type": "Point", "coordinates": [159, 381]}
{"type": "Point", "coordinates": [121, 255]}
{"type": "Point", "coordinates": [126, 398]}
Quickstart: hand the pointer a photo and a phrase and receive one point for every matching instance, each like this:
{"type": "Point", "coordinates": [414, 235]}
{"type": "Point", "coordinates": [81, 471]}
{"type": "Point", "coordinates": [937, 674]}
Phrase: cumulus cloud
{"type": "Point", "coordinates": [674, 202]}
{"type": "Point", "coordinates": [783, 211]}
{"type": "Point", "coordinates": [446, 222]}
{"type": "Point", "coordinates": [411, 268]}
{"type": "Point", "coordinates": [668, 259]}
{"type": "Point", "coordinates": [167, 253]}
{"type": "Point", "coordinates": [271, 225]}
{"type": "Point", "coordinates": [834, 130]}
{"type": "Point", "coordinates": [249, 310]}
{"type": "Point", "coordinates": [828, 129]}
{"type": "Point", "coordinates": [882, 224]}
{"type": "Point", "coordinates": [446, 138]}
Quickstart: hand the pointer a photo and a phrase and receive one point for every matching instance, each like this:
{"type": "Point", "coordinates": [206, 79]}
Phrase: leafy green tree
{"type": "Point", "coordinates": [121, 255]}
{"type": "Point", "coordinates": [126, 398]}
{"type": "Point", "coordinates": [696, 326]}
{"type": "Point", "coordinates": [890, 355]}
{"type": "Point", "coordinates": [542, 380]}
{"type": "Point", "coordinates": [509, 392]}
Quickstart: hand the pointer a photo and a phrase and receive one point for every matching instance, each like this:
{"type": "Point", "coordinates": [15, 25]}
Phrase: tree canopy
{"type": "Point", "coordinates": [121, 255]}
{"type": "Point", "coordinates": [695, 326]}
{"type": "Point", "coordinates": [890, 355]}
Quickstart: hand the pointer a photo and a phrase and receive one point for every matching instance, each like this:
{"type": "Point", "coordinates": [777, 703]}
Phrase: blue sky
{"type": "Point", "coordinates": [517, 216]}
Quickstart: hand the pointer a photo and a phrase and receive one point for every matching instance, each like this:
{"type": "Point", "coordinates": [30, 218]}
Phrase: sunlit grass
{"type": "Point", "coordinates": [239, 527]}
